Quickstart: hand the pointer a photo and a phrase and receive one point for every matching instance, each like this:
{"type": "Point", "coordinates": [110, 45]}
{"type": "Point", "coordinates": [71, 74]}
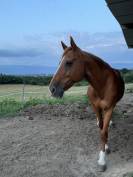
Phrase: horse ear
{"type": "Point", "coordinates": [64, 46]}
{"type": "Point", "coordinates": [73, 44]}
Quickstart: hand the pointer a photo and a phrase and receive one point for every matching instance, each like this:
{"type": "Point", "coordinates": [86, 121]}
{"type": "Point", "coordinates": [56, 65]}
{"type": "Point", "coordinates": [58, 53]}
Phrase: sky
{"type": "Point", "coordinates": [43, 16]}
{"type": "Point", "coordinates": [31, 30]}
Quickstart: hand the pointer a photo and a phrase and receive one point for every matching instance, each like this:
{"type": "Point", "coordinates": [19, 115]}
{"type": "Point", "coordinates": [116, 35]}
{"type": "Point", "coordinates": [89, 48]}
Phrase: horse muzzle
{"type": "Point", "coordinates": [56, 90]}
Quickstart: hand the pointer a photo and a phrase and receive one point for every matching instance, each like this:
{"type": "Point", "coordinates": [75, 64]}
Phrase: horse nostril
{"type": "Point", "coordinates": [53, 90]}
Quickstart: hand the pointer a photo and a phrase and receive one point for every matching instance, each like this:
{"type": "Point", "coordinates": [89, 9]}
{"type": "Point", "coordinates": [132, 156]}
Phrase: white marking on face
{"type": "Point", "coordinates": [102, 160]}
{"type": "Point", "coordinates": [56, 71]}
{"type": "Point", "coordinates": [59, 66]}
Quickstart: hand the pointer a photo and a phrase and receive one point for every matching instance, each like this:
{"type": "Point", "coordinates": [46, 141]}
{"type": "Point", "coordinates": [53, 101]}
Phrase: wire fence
{"type": "Point", "coordinates": [23, 92]}
{"type": "Point", "coordinates": [14, 98]}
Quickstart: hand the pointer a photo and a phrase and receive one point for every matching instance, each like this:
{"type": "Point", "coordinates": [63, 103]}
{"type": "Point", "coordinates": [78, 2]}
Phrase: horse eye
{"type": "Point", "coordinates": [69, 63]}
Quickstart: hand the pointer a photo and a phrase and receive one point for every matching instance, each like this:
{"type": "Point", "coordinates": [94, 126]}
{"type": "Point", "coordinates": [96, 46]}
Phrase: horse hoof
{"type": "Point", "coordinates": [102, 168]}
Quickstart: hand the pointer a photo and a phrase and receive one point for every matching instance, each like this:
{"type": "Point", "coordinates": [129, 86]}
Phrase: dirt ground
{"type": "Point", "coordinates": [63, 141]}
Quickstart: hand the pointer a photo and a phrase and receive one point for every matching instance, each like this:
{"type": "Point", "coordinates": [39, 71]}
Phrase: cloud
{"type": "Point", "coordinates": [45, 49]}
{"type": "Point", "coordinates": [20, 52]}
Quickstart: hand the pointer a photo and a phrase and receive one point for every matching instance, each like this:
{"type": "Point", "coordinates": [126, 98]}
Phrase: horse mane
{"type": "Point", "coordinates": [101, 63]}
{"type": "Point", "coordinates": [97, 60]}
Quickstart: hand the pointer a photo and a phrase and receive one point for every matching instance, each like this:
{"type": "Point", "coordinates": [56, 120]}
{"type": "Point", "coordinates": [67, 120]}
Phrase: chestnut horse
{"type": "Point", "coordinates": [105, 90]}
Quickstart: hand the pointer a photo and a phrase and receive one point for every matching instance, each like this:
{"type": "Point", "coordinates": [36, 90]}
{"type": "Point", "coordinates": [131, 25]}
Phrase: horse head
{"type": "Point", "coordinates": [70, 70]}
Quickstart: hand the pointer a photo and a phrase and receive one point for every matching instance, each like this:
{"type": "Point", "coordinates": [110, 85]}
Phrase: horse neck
{"type": "Point", "coordinates": [96, 71]}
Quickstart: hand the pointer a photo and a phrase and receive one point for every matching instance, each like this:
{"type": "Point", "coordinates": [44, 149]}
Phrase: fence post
{"type": "Point", "coordinates": [23, 94]}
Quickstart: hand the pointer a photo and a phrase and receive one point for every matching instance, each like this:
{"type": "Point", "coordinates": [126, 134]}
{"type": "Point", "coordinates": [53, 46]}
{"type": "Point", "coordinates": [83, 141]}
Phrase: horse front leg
{"type": "Point", "coordinates": [99, 117]}
{"type": "Point", "coordinates": [104, 139]}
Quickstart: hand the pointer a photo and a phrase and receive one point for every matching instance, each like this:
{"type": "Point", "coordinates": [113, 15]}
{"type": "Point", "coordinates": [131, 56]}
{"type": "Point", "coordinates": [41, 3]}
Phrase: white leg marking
{"type": "Point", "coordinates": [110, 123]}
{"type": "Point", "coordinates": [97, 122]}
{"type": "Point", "coordinates": [102, 157]}
{"type": "Point", "coordinates": [106, 147]}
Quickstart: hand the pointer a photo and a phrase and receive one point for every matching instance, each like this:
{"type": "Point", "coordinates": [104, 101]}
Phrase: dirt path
{"type": "Point", "coordinates": [63, 141]}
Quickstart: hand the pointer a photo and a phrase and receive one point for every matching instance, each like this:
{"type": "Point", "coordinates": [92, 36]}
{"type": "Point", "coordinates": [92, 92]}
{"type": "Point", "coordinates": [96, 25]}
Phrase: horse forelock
{"type": "Point", "coordinates": [66, 51]}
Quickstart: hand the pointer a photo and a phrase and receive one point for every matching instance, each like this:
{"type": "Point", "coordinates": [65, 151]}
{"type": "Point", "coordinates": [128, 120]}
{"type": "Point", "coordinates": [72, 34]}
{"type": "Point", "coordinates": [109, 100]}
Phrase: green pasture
{"type": "Point", "coordinates": [30, 91]}
{"type": "Point", "coordinates": [42, 92]}
{"type": "Point", "coordinates": [12, 98]}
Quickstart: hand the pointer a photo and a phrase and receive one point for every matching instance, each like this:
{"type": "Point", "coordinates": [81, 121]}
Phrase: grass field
{"type": "Point", "coordinates": [42, 92]}
{"type": "Point", "coordinates": [12, 100]}
{"type": "Point", "coordinates": [31, 91]}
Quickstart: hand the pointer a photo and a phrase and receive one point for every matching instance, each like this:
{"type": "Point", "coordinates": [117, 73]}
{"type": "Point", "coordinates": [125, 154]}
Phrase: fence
{"type": "Point", "coordinates": [15, 97]}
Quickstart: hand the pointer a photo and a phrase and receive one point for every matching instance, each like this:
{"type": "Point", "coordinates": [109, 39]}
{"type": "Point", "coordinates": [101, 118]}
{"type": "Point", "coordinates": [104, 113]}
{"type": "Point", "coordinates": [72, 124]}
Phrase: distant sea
{"type": "Point", "coordinates": [45, 70]}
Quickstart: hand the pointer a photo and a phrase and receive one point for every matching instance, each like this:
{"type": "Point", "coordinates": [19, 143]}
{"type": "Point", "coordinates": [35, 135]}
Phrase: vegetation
{"type": "Point", "coordinates": [9, 107]}
{"type": "Point", "coordinates": [33, 80]}
{"type": "Point", "coordinates": [127, 75]}
{"type": "Point", "coordinates": [128, 175]}
{"type": "Point", "coordinates": [45, 80]}
{"type": "Point", "coordinates": [12, 101]}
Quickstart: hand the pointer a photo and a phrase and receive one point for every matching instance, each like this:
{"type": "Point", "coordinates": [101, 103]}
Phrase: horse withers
{"type": "Point", "coordinates": [105, 90]}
